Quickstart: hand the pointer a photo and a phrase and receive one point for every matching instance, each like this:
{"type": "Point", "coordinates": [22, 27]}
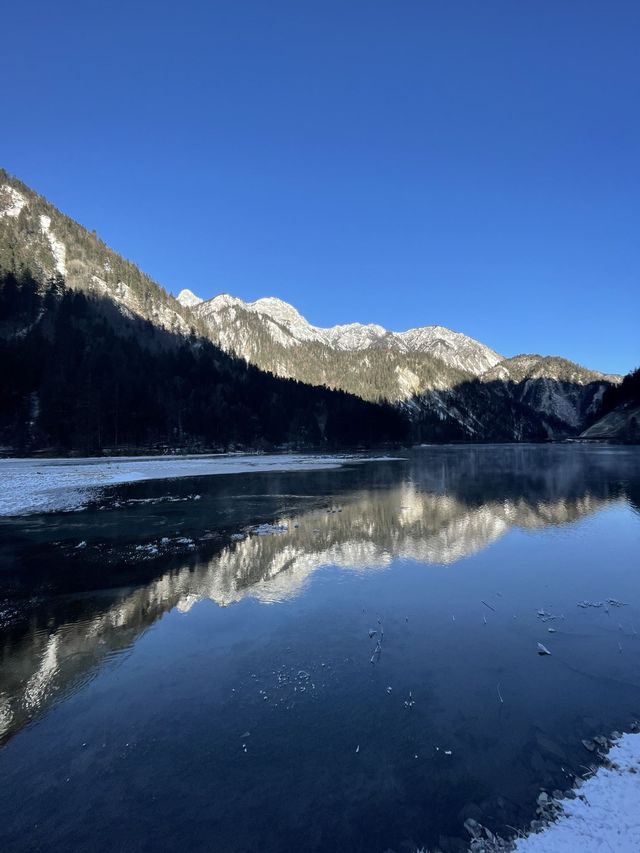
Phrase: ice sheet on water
{"type": "Point", "coordinates": [268, 529]}
{"type": "Point", "coordinates": [64, 485]}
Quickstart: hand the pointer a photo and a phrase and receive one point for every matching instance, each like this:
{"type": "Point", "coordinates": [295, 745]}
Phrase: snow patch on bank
{"type": "Point", "coordinates": [64, 485]}
{"type": "Point", "coordinates": [604, 816]}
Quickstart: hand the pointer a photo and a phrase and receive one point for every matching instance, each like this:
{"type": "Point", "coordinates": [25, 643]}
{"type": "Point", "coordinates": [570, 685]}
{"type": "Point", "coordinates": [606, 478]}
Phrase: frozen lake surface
{"type": "Point", "coordinates": [339, 658]}
{"type": "Point", "coordinates": [58, 485]}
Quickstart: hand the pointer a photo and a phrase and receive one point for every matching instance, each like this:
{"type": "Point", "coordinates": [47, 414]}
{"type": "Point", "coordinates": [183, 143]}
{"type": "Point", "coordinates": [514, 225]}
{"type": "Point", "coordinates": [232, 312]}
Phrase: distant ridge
{"type": "Point", "coordinates": [450, 383]}
{"type": "Point", "coordinates": [453, 348]}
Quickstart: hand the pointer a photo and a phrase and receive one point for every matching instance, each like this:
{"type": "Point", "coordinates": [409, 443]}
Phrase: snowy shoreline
{"type": "Point", "coordinates": [30, 486]}
{"type": "Point", "coordinates": [600, 813]}
{"type": "Point", "coordinates": [605, 813]}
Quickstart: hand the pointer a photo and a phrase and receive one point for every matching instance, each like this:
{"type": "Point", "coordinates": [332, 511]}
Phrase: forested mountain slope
{"type": "Point", "coordinates": [36, 237]}
{"type": "Point", "coordinates": [618, 419]}
{"type": "Point", "coordinates": [450, 386]}
{"type": "Point", "coordinates": [442, 384]}
{"type": "Point", "coordinates": [366, 360]}
{"type": "Point", "coordinates": [80, 376]}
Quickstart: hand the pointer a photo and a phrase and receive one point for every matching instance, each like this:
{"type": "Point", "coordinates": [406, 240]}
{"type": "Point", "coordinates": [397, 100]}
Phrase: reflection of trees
{"type": "Point", "coordinates": [372, 529]}
{"type": "Point", "coordinates": [445, 504]}
{"type": "Point", "coordinates": [526, 473]}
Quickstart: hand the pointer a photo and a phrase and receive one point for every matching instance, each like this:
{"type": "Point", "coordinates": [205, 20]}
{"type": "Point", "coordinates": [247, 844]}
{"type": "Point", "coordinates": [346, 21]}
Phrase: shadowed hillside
{"type": "Point", "coordinates": [97, 355]}
{"type": "Point", "coordinates": [79, 375]}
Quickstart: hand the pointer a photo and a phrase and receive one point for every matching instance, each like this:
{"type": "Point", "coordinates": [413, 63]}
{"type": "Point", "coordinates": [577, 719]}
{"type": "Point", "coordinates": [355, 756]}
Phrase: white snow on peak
{"type": "Point", "coordinates": [278, 310]}
{"type": "Point", "coordinates": [216, 309]}
{"type": "Point", "coordinates": [350, 336]}
{"type": "Point", "coordinates": [188, 299]}
{"type": "Point", "coordinates": [224, 300]}
{"type": "Point", "coordinates": [288, 327]}
{"type": "Point", "coordinates": [11, 202]}
{"type": "Point", "coordinates": [454, 348]}
{"type": "Point", "coordinates": [58, 249]}
{"type": "Point", "coordinates": [356, 336]}
{"type": "Point", "coordinates": [289, 318]}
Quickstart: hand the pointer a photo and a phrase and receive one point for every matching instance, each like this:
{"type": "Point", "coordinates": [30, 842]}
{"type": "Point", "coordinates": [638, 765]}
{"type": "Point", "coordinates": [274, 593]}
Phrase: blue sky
{"type": "Point", "coordinates": [406, 162]}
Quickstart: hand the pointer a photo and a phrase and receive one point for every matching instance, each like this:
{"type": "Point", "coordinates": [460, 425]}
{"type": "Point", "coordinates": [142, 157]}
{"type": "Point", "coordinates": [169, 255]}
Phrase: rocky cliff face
{"type": "Point", "coordinates": [618, 418]}
{"type": "Point", "coordinates": [448, 383]}
{"type": "Point", "coordinates": [234, 323]}
{"type": "Point", "coordinates": [620, 425]}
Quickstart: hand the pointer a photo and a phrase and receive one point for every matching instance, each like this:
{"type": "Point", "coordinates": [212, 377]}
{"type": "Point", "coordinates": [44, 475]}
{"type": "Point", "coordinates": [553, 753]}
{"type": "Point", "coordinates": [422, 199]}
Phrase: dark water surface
{"type": "Point", "coordinates": [165, 687]}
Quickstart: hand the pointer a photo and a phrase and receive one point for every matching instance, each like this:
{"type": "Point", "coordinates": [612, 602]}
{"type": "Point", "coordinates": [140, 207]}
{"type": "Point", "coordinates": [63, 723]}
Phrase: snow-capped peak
{"type": "Point", "coordinates": [278, 310]}
{"type": "Point", "coordinates": [288, 318]}
{"type": "Point", "coordinates": [188, 299]}
{"type": "Point", "coordinates": [288, 327]}
{"type": "Point", "coordinates": [223, 300]}
{"type": "Point", "coordinates": [356, 336]}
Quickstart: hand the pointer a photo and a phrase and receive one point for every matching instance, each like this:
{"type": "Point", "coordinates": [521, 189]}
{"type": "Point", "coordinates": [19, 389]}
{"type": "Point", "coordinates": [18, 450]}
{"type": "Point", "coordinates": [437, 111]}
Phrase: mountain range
{"type": "Point", "coordinates": [443, 384]}
{"type": "Point", "coordinates": [433, 373]}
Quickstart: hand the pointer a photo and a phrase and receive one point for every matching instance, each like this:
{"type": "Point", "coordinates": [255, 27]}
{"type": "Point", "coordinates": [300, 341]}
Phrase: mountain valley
{"type": "Point", "coordinates": [441, 384]}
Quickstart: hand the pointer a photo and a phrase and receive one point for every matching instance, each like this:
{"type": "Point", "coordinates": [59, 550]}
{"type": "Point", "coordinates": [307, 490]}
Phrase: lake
{"type": "Point", "coordinates": [326, 660]}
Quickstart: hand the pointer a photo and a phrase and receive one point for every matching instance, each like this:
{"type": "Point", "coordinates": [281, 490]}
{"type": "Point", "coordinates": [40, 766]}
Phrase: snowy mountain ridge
{"type": "Point", "coordinates": [450, 386]}
{"type": "Point", "coordinates": [453, 348]}
{"type": "Point", "coordinates": [457, 385]}
{"type": "Point", "coordinates": [188, 299]}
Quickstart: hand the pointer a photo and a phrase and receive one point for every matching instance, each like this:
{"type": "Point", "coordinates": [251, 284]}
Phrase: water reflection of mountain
{"type": "Point", "coordinates": [436, 515]}
{"type": "Point", "coordinates": [369, 532]}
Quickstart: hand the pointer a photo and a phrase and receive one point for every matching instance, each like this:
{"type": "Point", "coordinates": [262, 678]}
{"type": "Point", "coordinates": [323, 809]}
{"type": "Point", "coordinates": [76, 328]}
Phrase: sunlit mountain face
{"type": "Point", "coordinates": [438, 384]}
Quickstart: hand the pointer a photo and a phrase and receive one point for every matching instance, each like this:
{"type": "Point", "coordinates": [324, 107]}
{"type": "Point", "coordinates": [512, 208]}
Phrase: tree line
{"type": "Point", "coordinates": [78, 375]}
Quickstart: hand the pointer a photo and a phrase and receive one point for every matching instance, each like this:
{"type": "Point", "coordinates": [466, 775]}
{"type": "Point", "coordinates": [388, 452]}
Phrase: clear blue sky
{"type": "Point", "coordinates": [405, 162]}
